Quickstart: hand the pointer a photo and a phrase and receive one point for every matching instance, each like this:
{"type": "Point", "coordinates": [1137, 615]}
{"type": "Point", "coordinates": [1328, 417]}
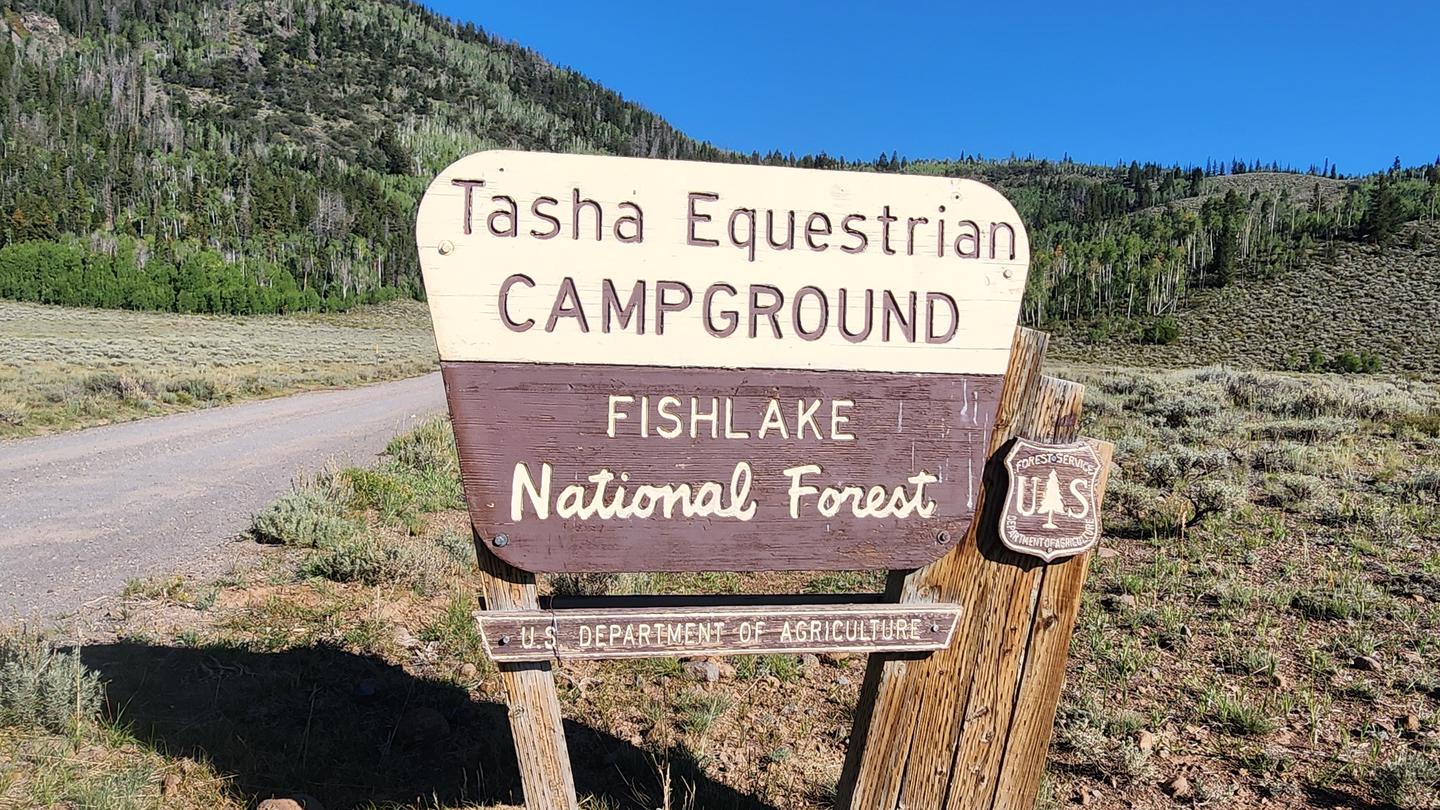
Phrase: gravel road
{"type": "Point", "coordinates": [81, 513]}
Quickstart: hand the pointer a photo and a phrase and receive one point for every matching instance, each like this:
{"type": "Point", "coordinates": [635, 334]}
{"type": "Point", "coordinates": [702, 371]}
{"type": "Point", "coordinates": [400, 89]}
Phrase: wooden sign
{"type": "Point", "coordinates": [665, 366]}
{"type": "Point", "coordinates": [1051, 509]}
{"type": "Point", "coordinates": [659, 366]}
{"type": "Point", "coordinates": [539, 635]}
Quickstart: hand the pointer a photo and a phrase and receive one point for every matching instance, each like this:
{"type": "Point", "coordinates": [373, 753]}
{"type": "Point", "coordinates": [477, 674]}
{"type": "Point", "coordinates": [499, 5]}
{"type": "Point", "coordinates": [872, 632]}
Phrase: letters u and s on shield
{"type": "Point", "coordinates": [1050, 510]}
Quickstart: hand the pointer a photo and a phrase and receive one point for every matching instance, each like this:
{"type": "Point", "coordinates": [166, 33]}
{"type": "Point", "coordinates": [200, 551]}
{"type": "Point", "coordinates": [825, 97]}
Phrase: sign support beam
{"type": "Point", "coordinates": [934, 732]}
{"type": "Point", "coordinates": [535, 719]}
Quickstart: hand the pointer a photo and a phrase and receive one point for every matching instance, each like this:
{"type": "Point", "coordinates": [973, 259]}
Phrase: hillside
{"type": "Point", "coordinates": [259, 157]}
{"type": "Point", "coordinates": [1318, 192]}
{"type": "Point", "coordinates": [207, 156]}
{"type": "Point", "coordinates": [1364, 301]}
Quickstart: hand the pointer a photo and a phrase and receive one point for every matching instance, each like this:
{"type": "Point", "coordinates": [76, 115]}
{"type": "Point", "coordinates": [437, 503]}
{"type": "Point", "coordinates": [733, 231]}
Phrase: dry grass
{"type": "Point", "coordinates": [105, 768]}
{"type": "Point", "coordinates": [1276, 536]}
{"type": "Point", "coordinates": [1272, 537]}
{"type": "Point", "coordinates": [64, 368]}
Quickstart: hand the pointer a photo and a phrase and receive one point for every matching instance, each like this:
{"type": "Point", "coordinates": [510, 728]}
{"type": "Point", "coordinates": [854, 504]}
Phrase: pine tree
{"type": "Point", "coordinates": [397, 160]}
{"type": "Point", "coordinates": [1051, 504]}
{"type": "Point", "coordinates": [1197, 177]}
{"type": "Point", "coordinates": [1383, 214]}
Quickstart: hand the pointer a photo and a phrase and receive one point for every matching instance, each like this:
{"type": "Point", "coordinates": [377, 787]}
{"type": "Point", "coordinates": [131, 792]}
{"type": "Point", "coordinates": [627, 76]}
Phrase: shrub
{"type": "Point", "coordinates": [199, 389]}
{"type": "Point", "coordinates": [1211, 498]}
{"type": "Point", "coordinates": [1313, 431]}
{"type": "Point", "coordinates": [1425, 481]}
{"type": "Point", "coordinates": [1349, 363]}
{"type": "Point", "coordinates": [307, 516]}
{"type": "Point", "coordinates": [1287, 457]}
{"type": "Point", "coordinates": [1172, 465]}
{"type": "Point", "coordinates": [12, 412]}
{"type": "Point", "coordinates": [124, 387]}
{"type": "Point", "coordinates": [1410, 781]}
{"type": "Point", "coordinates": [1416, 425]}
{"type": "Point", "coordinates": [1343, 363]}
{"type": "Point", "coordinates": [1161, 331]}
{"type": "Point", "coordinates": [1293, 491]}
{"type": "Point", "coordinates": [103, 382]}
{"type": "Point", "coordinates": [41, 686]}
{"type": "Point", "coordinates": [582, 584]}
{"type": "Point", "coordinates": [356, 559]}
{"type": "Point", "coordinates": [428, 448]}
{"type": "Point", "coordinates": [1182, 408]}
{"type": "Point", "coordinates": [372, 559]}
{"type": "Point", "coordinates": [461, 548]}
{"type": "Point", "coordinates": [1248, 389]}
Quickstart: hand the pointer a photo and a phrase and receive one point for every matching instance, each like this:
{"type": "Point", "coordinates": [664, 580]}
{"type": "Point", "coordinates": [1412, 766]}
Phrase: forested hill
{"type": "Point", "coordinates": [268, 156]}
{"type": "Point", "coordinates": [238, 157]}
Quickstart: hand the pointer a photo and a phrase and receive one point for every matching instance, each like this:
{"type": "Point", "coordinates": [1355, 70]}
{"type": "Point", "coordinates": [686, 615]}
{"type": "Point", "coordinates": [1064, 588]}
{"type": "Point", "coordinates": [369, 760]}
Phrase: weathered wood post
{"type": "Point", "coordinates": [664, 366]}
{"type": "Point", "coordinates": [969, 726]}
{"type": "Point", "coordinates": [535, 719]}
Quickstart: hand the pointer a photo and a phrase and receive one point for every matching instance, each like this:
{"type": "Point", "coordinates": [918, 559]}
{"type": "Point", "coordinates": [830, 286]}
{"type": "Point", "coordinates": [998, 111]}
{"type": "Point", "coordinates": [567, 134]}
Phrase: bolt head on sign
{"type": "Point", "coordinates": [673, 366]}
{"type": "Point", "coordinates": [1050, 510]}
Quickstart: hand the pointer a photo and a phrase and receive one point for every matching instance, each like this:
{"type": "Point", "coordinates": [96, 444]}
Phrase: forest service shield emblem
{"type": "Point", "coordinates": [1050, 509]}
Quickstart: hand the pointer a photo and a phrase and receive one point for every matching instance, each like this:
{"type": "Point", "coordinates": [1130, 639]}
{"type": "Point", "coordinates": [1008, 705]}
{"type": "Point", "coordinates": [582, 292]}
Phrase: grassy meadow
{"type": "Point", "coordinates": [63, 368]}
{"type": "Point", "coordinates": [1262, 627]}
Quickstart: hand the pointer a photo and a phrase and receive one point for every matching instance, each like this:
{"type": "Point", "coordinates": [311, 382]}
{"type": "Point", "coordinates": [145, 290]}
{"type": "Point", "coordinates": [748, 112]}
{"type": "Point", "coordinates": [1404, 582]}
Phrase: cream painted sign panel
{"type": "Point", "coordinates": [537, 258]}
{"type": "Point", "coordinates": [668, 366]}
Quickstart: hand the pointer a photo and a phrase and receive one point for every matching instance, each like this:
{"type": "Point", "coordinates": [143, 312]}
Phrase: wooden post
{"type": "Point", "coordinates": [934, 732]}
{"type": "Point", "coordinates": [1023, 761]}
{"type": "Point", "coordinates": [535, 719]}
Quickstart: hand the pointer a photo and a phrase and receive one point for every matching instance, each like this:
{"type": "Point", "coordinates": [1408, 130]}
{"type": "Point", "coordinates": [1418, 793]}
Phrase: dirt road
{"type": "Point", "coordinates": [81, 513]}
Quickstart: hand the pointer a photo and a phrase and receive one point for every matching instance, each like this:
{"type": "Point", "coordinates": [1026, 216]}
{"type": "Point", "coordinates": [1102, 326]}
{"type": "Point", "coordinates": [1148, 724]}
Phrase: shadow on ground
{"type": "Point", "coordinates": [352, 730]}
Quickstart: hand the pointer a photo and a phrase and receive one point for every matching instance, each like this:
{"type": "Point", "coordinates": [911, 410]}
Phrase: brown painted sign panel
{"type": "Point", "coordinates": [537, 635]}
{"type": "Point", "coordinates": [1050, 509]}
{"type": "Point", "coordinates": [658, 365]}
{"type": "Point", "coordinates": [608, 468]}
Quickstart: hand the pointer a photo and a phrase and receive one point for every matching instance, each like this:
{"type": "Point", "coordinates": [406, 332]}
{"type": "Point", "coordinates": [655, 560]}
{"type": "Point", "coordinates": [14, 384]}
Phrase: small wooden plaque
{"type": "Point", "coordinates": [1050, 505]}
{"type": "Point", "coordinates": [539, 635]}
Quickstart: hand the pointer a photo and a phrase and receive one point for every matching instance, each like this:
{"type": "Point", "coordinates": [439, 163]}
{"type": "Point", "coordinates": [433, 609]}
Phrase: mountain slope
{"type": "Point", "coordinates": [1364, 302]}
{"type": "Point", "coordinates": [239, 157]}
{"type": "Point", "coordinates": [213, 156]}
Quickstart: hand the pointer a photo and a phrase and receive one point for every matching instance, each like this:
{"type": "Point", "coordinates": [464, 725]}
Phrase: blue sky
{"type": "Point", "coordinates": [1166, 80]}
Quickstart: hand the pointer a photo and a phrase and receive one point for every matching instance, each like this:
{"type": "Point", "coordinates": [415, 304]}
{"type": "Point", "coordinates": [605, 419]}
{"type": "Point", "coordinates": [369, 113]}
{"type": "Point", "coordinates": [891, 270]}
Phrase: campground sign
{"type": "Point", "coordinates": [678, 367]}
{"type": "Point", "coordinates": [668, 366]}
